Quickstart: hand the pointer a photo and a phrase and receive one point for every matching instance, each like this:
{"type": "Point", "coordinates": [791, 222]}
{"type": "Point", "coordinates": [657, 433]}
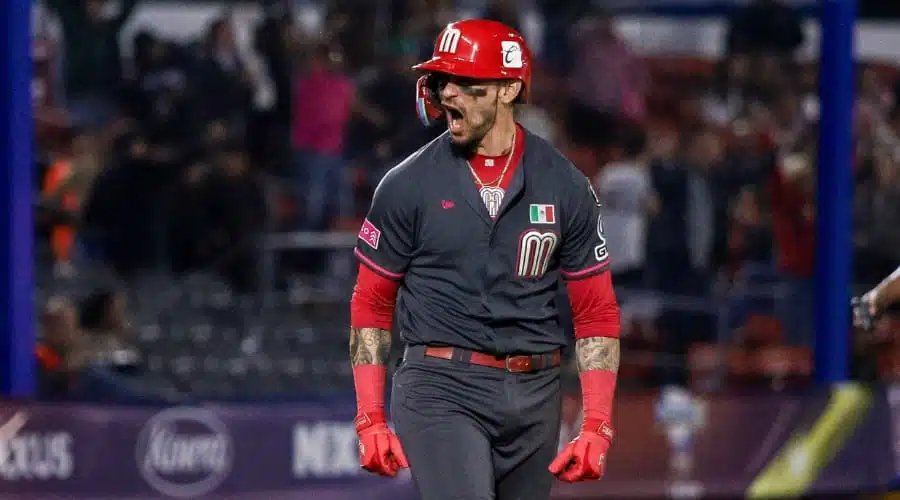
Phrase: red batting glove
{"type": "Point", "coordinates": [379, 448]}
{"type": "Point", "coordinates": [584, 458]}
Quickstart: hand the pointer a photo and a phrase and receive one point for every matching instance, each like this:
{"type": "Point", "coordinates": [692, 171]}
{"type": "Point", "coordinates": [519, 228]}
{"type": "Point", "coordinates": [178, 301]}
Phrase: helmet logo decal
{"type": "Point", "coordinates": [512, 54]}
{"type": "Point", "coordinates": [449, 41]}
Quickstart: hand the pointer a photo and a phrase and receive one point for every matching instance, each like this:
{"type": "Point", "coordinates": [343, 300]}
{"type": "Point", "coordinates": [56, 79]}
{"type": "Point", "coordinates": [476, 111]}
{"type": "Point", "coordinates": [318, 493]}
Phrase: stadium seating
{"type": "Point", "coordinates": [199, 337]}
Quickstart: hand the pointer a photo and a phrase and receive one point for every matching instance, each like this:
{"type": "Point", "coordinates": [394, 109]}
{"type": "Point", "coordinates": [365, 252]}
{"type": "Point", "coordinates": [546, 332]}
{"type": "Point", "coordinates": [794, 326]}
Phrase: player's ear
{"type": "Point", "coordinates": [509, 91]}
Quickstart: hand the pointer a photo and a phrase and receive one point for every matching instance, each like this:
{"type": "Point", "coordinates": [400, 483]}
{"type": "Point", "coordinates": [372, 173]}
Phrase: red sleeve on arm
{"type": "Point", "coordinates": [371, 306]}
{"type": "Point", "coordinates": [373, 300]}
{"type": "Point", "coordinates": [595, 312]}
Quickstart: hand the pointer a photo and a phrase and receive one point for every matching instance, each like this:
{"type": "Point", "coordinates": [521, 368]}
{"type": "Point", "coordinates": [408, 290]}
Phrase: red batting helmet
{"type": "Point", "coordinates": [474, 48]}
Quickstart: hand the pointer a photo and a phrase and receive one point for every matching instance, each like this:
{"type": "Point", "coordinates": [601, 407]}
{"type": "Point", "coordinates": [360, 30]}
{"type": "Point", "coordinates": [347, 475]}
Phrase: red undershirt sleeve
{"type": "Point", "coordinates": [595, 313]}
{"type": "Point", "coordinates": [371, 306]}
{"type": "Point", "coordinates": [373, 300]}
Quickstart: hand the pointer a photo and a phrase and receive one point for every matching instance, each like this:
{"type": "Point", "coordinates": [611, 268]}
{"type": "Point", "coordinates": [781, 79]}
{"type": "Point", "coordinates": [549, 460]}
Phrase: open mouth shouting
{"type": "Point", "coordinates": [455, 120]}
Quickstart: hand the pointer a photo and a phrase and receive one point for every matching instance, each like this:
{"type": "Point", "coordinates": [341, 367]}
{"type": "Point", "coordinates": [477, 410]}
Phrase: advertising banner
{"type": "Point", "coordinates": [677, 444]}
{"type": "Point", "coordinates": [84, 452]}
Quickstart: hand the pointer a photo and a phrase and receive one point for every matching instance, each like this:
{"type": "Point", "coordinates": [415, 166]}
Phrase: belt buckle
{"type": "Point", "coordinates": [524, 363]}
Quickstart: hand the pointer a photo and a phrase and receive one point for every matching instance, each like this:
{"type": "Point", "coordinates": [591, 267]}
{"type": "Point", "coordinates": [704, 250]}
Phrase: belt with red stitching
{"type": "Point", "coordinates": [525, 363]}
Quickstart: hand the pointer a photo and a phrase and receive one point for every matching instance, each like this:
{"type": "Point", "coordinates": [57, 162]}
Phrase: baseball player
{"type": "Point", "coordinates": [469, 238]}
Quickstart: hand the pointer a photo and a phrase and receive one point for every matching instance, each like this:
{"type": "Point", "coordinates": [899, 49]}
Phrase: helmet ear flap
{"type": "Point", "coordinates": [427, 103]}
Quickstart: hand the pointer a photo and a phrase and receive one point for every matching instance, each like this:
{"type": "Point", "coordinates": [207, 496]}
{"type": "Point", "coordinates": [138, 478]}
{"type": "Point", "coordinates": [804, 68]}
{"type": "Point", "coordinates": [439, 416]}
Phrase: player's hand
{"type": "Point", "coordinates": [864, 310]}
{"type": "Point", "coordinates": [379, 448]}
{"type": "Point", "coordinates": [584, 458]}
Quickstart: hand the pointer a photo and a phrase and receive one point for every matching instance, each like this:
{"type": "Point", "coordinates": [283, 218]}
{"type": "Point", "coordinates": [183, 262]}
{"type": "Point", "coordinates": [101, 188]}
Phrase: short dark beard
{"type": "Point", "coordinates": [463, 150]}
{"type": "Point", "coordinates": [469, 148]}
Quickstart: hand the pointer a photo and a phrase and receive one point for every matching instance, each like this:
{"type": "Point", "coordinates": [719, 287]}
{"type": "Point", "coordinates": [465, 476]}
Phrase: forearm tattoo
{"type": "Point", "coordinates": [369, 346]}
{"type": "Point", "coordinates": [597, 353]}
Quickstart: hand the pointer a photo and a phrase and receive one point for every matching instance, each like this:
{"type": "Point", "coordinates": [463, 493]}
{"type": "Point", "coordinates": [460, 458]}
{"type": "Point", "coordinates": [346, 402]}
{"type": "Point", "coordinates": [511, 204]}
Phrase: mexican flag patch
{"type": "Point", "coordinates": [542, 214]}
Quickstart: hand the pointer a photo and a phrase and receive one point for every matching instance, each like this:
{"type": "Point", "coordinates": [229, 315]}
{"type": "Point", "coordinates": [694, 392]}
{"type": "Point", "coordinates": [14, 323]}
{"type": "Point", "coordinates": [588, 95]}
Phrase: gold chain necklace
{"type": "Point", "coordinates": [499, 180]}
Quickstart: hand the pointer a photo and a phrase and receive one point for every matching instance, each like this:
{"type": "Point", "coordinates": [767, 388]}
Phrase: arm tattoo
{"type": "Point", "coordinates": [369, 346]}
{"type": "Point", "coordinates": [597, 353]}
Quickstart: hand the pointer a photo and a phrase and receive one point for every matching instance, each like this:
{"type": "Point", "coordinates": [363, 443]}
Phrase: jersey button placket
{"type": "Point", "coordinates": [484, 241]}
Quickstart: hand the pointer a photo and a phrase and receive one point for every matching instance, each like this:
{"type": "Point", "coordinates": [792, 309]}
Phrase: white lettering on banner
{"type": "Point", "coordinates": [185, 452]}
{"type": "Point", "coordinates": [171, 453]}
{"type": "Point", "coordinates": [37, 456]}
{"type": "Point", "coordinates": [325, 449]}
{"type": "Point", "coordinates": [449, 41]}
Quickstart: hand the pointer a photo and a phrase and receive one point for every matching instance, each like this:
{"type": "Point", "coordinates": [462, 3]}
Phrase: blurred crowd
{"type": "Point", "coordinates": [157, 155]}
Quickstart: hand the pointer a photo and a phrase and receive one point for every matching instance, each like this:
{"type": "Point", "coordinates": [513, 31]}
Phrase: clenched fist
{"type": "Point", "coordinates": [584, 458]}
{"type": "Point", "coordinates": [379, 448]}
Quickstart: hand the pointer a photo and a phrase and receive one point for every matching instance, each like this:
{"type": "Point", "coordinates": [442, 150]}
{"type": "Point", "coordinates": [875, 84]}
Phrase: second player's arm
{"type": "Point", "coordinates": [887, 292]}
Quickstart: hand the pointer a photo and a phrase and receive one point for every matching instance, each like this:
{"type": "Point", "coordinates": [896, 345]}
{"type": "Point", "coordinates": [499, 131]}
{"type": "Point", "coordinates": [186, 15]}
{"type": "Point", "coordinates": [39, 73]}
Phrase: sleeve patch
{"type": "Point", "coordinates": [370, 234]}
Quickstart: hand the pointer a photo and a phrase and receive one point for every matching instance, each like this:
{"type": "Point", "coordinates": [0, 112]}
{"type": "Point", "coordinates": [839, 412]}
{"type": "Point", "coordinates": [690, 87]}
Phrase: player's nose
{"type": "Point", "coordinates": [450, 91]}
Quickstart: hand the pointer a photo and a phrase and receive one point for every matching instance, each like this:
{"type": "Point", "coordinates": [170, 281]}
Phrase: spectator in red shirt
{"type": "Point", "coordinates": [323, 102]}
{"type": "Point", "coordinates": [793, 220]}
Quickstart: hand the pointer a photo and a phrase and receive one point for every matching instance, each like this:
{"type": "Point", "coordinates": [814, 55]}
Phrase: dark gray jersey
{"type": "Point", "coordinates": [471, 281]}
